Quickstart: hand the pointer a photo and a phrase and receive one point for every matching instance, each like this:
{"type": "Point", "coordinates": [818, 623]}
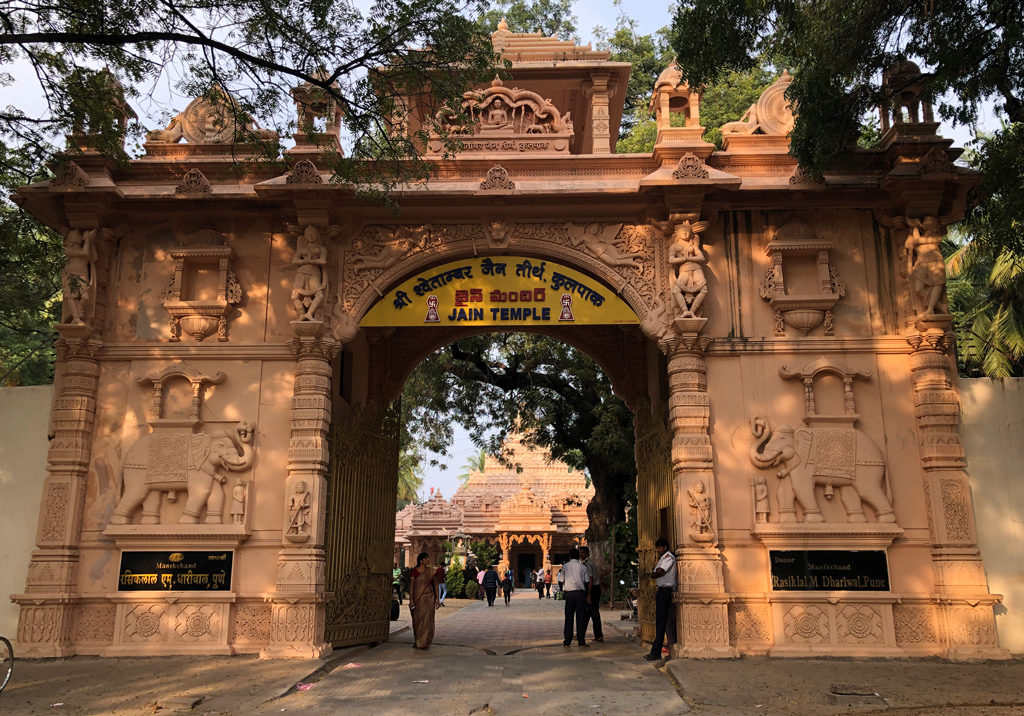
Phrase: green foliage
{"type": "Point", "coordinates": [31, 259]}
{"type": "Point", "coordinates": [471, 589]}
{"type": "Point", "coordinates": [410, 475]}
{"type": "Point", "coordinates": [496, 383]}
{"type": "Point", "coordinates": [548, 17]}
{"type": "Point", "coordinates": [253, 53]}
{"type": "Point", "coordinates": [474, 463]}
{"type": "Point", "coordinates": [836, 50]}
{"type": "Point", "coordinates": [486, 553]}
{"type": "Point", "coordinates": [729, 98]}
{"type": "Point", "coordinates": [649, 55]}
{"type": "Point", "coordinates": [997, 220]}
{"type": "Point", "coordinates": [725, 101]}
{"type": "Point", "coordinates": [455, 579]}
{"type": "Point", "coordinates": [986, 294]}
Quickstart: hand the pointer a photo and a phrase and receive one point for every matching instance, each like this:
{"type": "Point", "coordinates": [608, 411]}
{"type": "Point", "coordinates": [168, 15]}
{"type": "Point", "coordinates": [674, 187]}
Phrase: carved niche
{"type": "Point", "coordinates": [180, 456]}
{"type": "Point", "coordinates": [801, 284]}
{"type": "Point", "coordinates": [830, 452]}
{"type": "Point", "coordinates": [503, 119]}
{"type": "Point", "coordinates": [202, 291]}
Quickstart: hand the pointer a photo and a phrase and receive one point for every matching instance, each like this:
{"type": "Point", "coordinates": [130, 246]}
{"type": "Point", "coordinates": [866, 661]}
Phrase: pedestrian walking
{"type": "Point", "coordinates": [396, 582]}
{"type": "Point", "coordinates": [574, 576]}
{"type": "Point", "coordinates": [538, 580]}
{"type": "Point", "coordinates": [547, 582]}
{"type": "Point", "coordinates": [490, 585]}
{"type": "Point", "coordinates": [594, 607]}
{"type": "Point", "coordinates": [480, 581]}
{"type": "Point", "coordinates": [506, 587]}
{"type": "Point", "coordinates": [423, 603]}
{"type": "Point", "coordinates": [664, 576]}
{"type": "Point", "coordinates": [443, 584]}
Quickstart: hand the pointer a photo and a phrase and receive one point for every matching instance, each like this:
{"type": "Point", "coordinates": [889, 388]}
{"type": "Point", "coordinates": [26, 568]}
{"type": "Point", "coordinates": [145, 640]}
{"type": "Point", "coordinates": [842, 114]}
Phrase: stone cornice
{"type": "Point", "coordinates": [167, 351]}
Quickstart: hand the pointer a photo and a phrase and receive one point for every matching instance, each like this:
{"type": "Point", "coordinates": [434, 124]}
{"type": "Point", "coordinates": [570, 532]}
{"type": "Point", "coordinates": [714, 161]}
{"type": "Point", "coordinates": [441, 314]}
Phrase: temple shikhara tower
{"type": "Point", "coordinates": [534, 510]}
{"type": "Point", "coordinates": [223, 467]}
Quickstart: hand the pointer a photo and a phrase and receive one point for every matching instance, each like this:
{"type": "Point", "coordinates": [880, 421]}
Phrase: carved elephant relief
{"type": "Point", "coordinates": [172, 460]}
{"type": "Point", "coordinates": [835, 456]}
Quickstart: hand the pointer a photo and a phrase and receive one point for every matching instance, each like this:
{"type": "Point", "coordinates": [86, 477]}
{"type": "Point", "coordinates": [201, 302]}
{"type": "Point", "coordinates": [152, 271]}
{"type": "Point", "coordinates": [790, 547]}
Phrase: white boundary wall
{"type": "Point", "coordinates": [24, 419]}
{"type": "Point", "coordinates": [993, 420]}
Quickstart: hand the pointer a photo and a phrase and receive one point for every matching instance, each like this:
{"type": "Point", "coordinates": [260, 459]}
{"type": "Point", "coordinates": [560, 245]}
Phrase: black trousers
{"type": "Point", "coordinates": [547, 586]}
{"type": "Point", "coordinates": [508, 596]}
{"type": "Point", "coordinates": [662, 607]}
{"type": "Point", "coordinates": [594, 612]}
{"type": "Point", "coordinates": [575, 616]}
{"type": "Point", "coordinates": [491, 593]}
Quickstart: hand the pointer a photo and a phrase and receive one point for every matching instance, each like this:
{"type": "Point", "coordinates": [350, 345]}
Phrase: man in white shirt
{"type": "Point", "coordinates": [576, 585]}
{"type": "Point", "coordinates": [664, 576]}
{"type": "Point", "coordinates": [594, 608]}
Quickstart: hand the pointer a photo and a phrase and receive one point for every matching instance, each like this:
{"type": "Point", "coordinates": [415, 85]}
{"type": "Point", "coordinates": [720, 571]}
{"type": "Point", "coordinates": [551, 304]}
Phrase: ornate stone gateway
{"type": "Point", "coordinates": [783, 342]}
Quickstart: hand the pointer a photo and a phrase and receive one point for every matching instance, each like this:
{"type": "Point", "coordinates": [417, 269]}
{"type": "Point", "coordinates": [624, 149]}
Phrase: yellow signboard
{"type": "Point", "coordinates": [499, 291]}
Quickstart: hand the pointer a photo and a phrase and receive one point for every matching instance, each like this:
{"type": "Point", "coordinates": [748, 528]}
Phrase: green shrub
{"type": "Point", "coordinates": [455, 579]}
{"type": "Point", "coordinates": [471, 588]}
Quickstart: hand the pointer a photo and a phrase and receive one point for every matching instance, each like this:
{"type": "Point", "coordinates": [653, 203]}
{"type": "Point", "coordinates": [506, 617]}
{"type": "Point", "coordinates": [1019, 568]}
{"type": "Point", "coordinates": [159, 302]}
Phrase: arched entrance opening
{"type": "Point", "coordinates": [365, 437]}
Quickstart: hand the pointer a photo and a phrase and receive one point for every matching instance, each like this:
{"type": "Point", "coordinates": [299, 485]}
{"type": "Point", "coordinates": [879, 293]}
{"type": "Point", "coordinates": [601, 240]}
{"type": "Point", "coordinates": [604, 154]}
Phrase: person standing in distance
{"type": "Point", "coordinates": [594, 607]}
{"type": "Point", "coordinates": [490, 585]}
{"type": "Point", "coordinates": [664, 576]}
{"type": "Point", "coordinates": [577, 596]}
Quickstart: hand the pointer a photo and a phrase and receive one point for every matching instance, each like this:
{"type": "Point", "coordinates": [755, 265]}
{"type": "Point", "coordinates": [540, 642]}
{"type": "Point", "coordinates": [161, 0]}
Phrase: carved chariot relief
{"type": "Point", "coordinates": [502, 119]}
{"type": "Point", "coordinates": [801, 284]}
{"type": "Point", "coordinates": [831, 452]}
{"type": "Point", "coordinates": [771, 115]}
{"type": "Point", "coordinates": [205, 120]}
{"type": "Point", "coordinates": [179, 456]}
{"type": "Point", "coordinates": [203, 290]}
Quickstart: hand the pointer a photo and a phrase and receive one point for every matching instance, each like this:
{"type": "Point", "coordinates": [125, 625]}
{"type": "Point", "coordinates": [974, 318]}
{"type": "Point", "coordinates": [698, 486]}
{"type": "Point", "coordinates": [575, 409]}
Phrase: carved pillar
{"type": "Point", "coordinates": [962, 593]}
{"type": "Point", "coordinates": [47, 607]}
{"type": "Point", "coordinates": [49, 602]}
{"type": "Point", "coordinates": [600, 123]}
{"type": "Point", "coordinates": [544, 541]}
{"type": "Point", "coordinates": [298, 603]}
{"type": "Point", "coordinates": [702, 603]}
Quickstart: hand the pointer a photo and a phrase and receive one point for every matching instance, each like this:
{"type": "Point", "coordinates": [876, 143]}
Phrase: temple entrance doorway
{"type": "Point", "coordinates": [396, 335]}
{"type": "Point", "coordinates": [525, 562]}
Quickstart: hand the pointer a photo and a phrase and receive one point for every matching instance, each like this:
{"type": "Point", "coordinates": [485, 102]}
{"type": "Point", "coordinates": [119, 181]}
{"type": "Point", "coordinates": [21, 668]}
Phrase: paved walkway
{"type": "Point", "coordinates": [509, 660]}
{"type": "Point", "coordinates": [494, 660]}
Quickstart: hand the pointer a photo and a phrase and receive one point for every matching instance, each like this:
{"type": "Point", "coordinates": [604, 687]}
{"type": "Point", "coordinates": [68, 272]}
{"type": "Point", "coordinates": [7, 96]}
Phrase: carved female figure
{"type": "Point", "coordinates": [310, 278]}
{"type": "Point", "coordinates": [926, 268]}
{"type": "Point", "coordinates": [691, 286]}
{"type": "Point", "coordinates": [79, 275]}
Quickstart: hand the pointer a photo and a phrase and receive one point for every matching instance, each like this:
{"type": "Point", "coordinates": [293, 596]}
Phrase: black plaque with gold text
{"type": "Point", "coordinates": [175, 571]}
{"type": "Point", "coordinates": [829, 570]}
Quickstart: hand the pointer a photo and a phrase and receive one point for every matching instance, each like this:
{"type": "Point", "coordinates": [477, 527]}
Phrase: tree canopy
{"type": "Point", "coordinates": [88, 58]}
{"type": "Point", "coordinates": [970, 51]}
{"type": "Point", "coordinates": [496, 383]}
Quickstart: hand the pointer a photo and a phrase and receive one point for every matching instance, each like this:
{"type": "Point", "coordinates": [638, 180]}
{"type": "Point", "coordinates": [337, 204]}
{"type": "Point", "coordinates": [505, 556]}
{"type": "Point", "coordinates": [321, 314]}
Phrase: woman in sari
{"type": "Point", "coordinates": [423, 600]}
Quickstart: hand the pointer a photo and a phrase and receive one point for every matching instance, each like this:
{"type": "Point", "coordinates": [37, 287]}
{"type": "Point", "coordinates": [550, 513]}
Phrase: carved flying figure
{"type": "Point", "coordinates": [397, 242]}
{"type": "Point", "coordinates": [831, 456]}
{"type": "Point", "coordinates": [602, 241]}
{"type": "Point", "coordinates": [656, 322]}
{"type": "Point", "coordinates": [171, 461]}
{"type": "Point", "coordinates": [79, 276]}
{"type": "Point", "coordinates": [690, 286]}
{"type": "Point", "coordinates": [344, 327]}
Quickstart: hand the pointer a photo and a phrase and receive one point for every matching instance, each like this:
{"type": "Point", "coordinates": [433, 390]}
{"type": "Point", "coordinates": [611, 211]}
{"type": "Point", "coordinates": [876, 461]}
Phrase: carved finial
{"type": "Point", "coordinates": [502, 25]}
{"type": "Point", "coordinates": [496, 82]}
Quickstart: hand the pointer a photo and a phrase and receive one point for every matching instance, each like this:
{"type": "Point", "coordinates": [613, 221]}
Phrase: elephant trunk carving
{"type": "Point", "coordinates": [171, 461]}
{"type": "Point", "coordinates": [836, 457]}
